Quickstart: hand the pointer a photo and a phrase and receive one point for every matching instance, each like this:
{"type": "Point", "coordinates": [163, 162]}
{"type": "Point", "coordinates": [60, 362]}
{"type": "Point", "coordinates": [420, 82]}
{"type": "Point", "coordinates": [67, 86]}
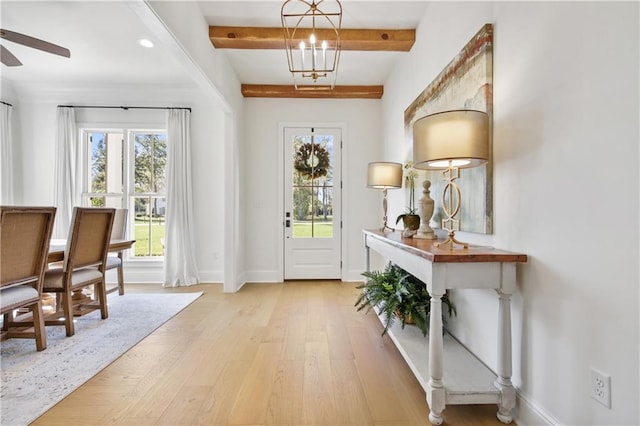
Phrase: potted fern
{"type": "Point", "coordinates": [398, 295]}
{"type": "Point", "coordinates": [410, 218]}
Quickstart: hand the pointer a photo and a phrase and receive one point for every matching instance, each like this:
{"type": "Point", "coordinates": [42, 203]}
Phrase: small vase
{"type": "Point", "coordinates": [411, 224]}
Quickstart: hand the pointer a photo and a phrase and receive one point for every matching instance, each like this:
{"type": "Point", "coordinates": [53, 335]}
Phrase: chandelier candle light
{"type": "Point", "coordinates": [384, 175]}
{"type": "Point", "coordinates": [450, 141]}
{"type": "Point", "coordinates": [304, 22]}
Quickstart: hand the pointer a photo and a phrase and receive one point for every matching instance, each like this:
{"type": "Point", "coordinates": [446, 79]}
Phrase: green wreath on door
{"type": "Point", "coordinates": [311, 160]}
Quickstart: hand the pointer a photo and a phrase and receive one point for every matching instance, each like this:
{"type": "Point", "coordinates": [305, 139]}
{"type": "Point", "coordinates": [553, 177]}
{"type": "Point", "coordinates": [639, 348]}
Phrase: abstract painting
{"type": "Point", "coordinates": [465, 83]}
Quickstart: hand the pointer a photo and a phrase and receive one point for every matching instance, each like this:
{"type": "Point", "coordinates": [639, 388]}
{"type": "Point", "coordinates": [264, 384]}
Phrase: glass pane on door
{"type": "Point", "coordinates": [312, 186]}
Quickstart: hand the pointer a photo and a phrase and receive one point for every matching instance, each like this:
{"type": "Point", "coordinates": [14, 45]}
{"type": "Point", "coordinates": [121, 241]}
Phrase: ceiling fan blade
{"type": "Point", "coordinates": [8, 59]}
{"type": "Point", "coordinates": [35, 43]}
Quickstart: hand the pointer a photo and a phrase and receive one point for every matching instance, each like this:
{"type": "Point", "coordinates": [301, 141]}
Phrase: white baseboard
{"type": "Point", "coordinates": [354, 276]}
{"type": "Point", "coordinates": [240, 282]}
{"type": "Point", "coordinates": [211, 276]}
{"type": "Point", "coordinates": [274, 277]}
{"type": "Point", "coordinates": [141, 276]}
{"type": "Point", "coordinates": [529, 413]}
{"type": "Point", "coordinates": [155, 275]}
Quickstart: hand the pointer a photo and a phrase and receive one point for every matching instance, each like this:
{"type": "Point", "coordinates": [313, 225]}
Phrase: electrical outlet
{"type": "Point", "coordinates": [600, 385]}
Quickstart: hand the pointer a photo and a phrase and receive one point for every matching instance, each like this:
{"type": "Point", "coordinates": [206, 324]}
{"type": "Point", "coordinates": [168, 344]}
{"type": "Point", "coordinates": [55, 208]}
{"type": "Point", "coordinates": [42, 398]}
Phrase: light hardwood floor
{"type": "Point", "coordinates": [272, 354]}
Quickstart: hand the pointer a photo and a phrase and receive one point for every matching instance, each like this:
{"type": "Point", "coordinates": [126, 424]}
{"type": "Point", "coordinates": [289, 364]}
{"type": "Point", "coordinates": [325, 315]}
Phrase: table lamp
{"type": "Point", "coordinates": [384, 175]}
{"type": "Point", "coordinates": [450, 141]}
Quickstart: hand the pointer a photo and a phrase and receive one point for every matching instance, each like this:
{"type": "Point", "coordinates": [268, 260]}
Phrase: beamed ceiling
{"type": "Point", "coordinates": [268, 38]}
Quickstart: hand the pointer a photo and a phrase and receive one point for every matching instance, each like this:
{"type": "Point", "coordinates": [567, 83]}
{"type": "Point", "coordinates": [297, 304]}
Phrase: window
{"type": "Point", "coordinates": [127, 169]}
{"type": "Point", "coordinates": [148, 199]}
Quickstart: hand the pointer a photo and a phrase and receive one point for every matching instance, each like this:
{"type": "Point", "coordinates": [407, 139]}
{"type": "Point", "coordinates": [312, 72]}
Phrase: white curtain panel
{"type": "Point", "coordinates": [6, 156]}
{"type": "Point", "coordinates": [179, 260]}
{"type": "Point", "coordinates": [68, 170]}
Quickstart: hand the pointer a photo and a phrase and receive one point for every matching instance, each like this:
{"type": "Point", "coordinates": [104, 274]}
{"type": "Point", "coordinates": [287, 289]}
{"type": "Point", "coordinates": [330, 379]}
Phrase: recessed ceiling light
{"type": "Point", "coordinates": [146, 43]}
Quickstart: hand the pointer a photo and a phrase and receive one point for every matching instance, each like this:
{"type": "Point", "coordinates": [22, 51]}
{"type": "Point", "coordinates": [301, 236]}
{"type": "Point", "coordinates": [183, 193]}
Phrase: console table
{"type": "Point", "coordinates": [447, 371]}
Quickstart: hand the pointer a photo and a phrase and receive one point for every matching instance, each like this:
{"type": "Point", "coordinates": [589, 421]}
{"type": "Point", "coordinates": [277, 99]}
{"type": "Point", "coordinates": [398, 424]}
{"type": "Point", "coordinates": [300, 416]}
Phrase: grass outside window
{"type": "Point", "coordinates": [303, 229]}
{"type": "Point", "coordinates": [142, 231]}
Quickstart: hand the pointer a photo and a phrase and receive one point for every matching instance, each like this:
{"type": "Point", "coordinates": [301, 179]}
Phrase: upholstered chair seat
{"type": "Point", "coordinates": [18, 296]}
{"type": "Point", "coordinates": [54, 278]}
{"type": "Point", "coordinates": [113, 262]}
{"type": "Point", "coordinates": [25, 234]}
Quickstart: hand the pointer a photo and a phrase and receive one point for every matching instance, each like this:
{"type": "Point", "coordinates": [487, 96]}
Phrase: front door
{"type": "Point", "coordinates": [312, 233]}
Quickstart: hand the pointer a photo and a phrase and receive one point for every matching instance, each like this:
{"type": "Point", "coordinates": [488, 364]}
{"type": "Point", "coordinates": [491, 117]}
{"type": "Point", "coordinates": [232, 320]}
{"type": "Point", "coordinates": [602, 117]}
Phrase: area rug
{"type": "Point", "coordinates": [33, 382]}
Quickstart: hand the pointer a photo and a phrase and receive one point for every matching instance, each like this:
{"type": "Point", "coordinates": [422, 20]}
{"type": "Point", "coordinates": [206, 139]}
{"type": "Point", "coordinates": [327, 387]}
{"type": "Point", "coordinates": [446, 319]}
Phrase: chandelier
{"type": "Point", "coordinates": [312, 39]}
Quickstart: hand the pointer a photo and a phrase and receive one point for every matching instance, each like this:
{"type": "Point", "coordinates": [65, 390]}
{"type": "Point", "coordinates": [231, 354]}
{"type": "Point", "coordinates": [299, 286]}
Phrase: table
{"type": "Point", "coordinates": [448, 372]}
{"type": "Point", "coordinates": [57, 246]}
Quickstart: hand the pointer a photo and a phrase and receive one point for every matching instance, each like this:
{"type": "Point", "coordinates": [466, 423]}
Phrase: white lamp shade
{"type": "Point", "coordinates": [384, 175]}
{"type": "Point", "coordinates": [461, 137]}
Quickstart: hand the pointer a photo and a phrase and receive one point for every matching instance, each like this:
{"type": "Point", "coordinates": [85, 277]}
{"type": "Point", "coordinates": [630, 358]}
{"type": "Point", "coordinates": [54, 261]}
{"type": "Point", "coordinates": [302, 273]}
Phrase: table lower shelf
{"type": "Point", "coordinates": [466, 379]}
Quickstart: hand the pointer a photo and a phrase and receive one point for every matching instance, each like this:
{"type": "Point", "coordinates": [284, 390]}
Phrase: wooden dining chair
{"type": "Point", "coordinates": [85, 259]}
{"type": "Point", "coordinates": [25, 233]}
{"type": "Point", "coordinates": [115, 260]}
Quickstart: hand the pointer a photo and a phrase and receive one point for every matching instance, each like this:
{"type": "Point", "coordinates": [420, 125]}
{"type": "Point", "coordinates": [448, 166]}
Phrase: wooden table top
{"type": "Point", "coordinates": [427, 250]}
{"type": "Point", "coordinates": [56, 248]}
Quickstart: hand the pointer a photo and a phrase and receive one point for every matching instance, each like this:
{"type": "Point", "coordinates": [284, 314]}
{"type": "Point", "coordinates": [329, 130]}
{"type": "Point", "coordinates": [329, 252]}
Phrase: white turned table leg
{"type": "Point", "coordinates": [503, 382]}
{"type": "Point", "coordinates": [436, 392]}
{"type": "Point", "coordinates": [367, 258]}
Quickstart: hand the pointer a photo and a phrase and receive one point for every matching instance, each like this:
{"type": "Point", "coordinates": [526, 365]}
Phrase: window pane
{"type": "Point", "coordinates": [302, 227]}
{"type": "Point", "coordinates": [149, 226]}
{"type": "Point", "coordinates": [323, 219]}
{"type": "Point", "coordinates": [106, 158]}
{"type": "Point", "coordinates": [150, 161]}
{"type": "Point", "coordinates": [98, 147]}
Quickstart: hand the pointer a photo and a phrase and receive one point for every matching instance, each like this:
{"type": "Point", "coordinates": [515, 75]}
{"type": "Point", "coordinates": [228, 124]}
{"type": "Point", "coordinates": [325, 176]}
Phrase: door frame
{"type": "Point", "coordinates": [280, 219]}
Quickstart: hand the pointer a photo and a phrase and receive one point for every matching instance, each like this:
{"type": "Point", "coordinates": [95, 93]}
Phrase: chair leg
{"type": "Point", "coordinates": [101, 290]}
{"type": "Point", "coordinates": [120, 280]}
{"type": "Point", "coordinates": [58, 302]}
{"type": "Point", "coordinates": [8, 318]}
{"type": "Point", "coordinates": [68, 313]}
{"type": "Point", "coordinates": [38, 326]}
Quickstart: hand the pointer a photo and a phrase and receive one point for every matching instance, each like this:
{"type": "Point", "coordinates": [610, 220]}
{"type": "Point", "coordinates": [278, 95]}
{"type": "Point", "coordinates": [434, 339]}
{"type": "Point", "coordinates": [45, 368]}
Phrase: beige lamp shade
{"type": "Point", "coordinates": [384, 175]}
{"type": "Point", "coordinates": [461, 137]}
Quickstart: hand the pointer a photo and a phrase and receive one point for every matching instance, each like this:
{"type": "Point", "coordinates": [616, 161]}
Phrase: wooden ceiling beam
{"type": "Point", "coordinates": [350, 39]}
{"type": "Point", "coordinates": [313, 92]}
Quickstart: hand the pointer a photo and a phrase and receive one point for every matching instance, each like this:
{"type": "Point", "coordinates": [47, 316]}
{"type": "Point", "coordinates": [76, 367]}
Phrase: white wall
{"type": "Point", "coordinates": [262, 215]}
{"type": "Point", "coordinates": [566, 194]}
{"type": "Point", "coordinates": [208, 174]}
